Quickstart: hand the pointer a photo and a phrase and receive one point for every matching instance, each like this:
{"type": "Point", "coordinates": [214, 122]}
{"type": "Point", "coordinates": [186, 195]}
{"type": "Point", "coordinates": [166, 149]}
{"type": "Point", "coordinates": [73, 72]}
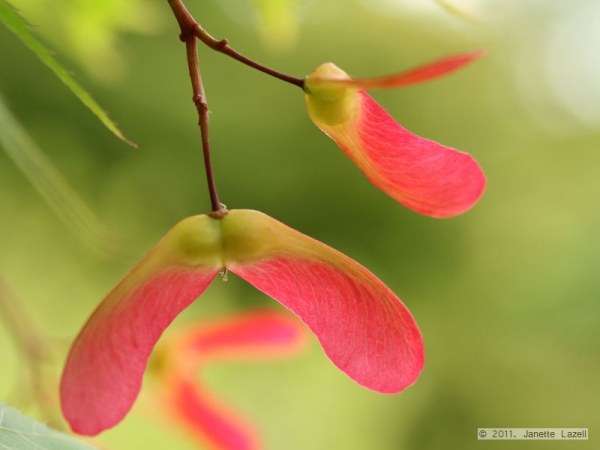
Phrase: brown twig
{"type": "Point", "coordinates": [190, 31]}
{"type": "Point", "coordinates": [186, 24]}
{"type": "Point", "coordinates": [222, 46]}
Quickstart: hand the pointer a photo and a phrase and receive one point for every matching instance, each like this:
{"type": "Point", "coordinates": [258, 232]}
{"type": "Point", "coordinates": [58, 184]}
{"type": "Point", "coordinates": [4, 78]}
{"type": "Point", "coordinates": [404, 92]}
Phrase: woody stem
{"type": "Point", "coordinates": [222, 46]}
{"type": "Point", "coordinates": [187, 25]}
{"type": "Point", "coordinates": [190, 31]}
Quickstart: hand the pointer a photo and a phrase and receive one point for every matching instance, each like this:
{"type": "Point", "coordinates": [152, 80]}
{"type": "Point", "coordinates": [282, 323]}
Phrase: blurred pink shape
{"type": "Point", "coordinates": [259, 335]}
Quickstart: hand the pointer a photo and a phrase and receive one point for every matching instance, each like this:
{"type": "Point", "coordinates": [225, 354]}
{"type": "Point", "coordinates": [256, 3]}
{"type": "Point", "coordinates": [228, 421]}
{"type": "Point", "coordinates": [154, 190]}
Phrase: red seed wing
{"type": "Point", "coordinates": [104, 369]}
{"type": "Point", "coordinates": [423, 175]}
{"type": "Point", "coordinates": [363, 327]}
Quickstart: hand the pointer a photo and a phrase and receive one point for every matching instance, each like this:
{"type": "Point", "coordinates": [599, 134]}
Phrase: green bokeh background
{"type": "Point", "coordinates": [506, 295]}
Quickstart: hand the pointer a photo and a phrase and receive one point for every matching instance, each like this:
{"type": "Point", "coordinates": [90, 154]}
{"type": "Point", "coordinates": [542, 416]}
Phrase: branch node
{"type": "Point", "coordinates": [219, 214]}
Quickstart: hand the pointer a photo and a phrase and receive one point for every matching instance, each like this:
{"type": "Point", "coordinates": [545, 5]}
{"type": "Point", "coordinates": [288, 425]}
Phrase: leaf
{"type": "Point", "coordinates": [15, 23]}
{"type": "Point", "coordinates": [51, 185]}
{"type": "Point", "coordinates": [19, 432]}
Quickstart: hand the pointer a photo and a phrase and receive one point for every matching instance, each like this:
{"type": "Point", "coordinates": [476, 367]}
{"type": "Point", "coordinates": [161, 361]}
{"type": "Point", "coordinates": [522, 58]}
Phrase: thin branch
{"type": "Point", "coordinates": [190, 31]}
{"type": "Point", "coordinates": [187, 24]}
{"type": "Point", "coordinates": [199, 98]}
{"type": "Point", "coordinates": [222, 46]}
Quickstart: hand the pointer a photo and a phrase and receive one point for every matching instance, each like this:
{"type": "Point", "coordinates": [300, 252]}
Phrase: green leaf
{"type": "Point", "coordinates": [51, 185]}
{"type": "Point", "coordinates": [18, 432]}
{"type": "Point", "coordinates": [15, 23]}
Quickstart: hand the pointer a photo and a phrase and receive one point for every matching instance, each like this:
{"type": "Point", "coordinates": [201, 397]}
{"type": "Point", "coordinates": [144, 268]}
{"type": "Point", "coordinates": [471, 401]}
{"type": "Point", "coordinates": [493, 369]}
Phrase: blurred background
{"type": "Point", "coordinates": [506, 295]}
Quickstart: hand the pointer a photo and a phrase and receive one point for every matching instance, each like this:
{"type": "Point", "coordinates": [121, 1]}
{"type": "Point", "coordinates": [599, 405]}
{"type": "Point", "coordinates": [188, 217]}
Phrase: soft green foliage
{"type": "Point", "coordinates": [89, 32]}
{"type": "Point", "coordinates": [17, 25]}
{"type": "Point", "coordinates": [19, 432]}
{"type": "Point", "coordinates": [50, 184]}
